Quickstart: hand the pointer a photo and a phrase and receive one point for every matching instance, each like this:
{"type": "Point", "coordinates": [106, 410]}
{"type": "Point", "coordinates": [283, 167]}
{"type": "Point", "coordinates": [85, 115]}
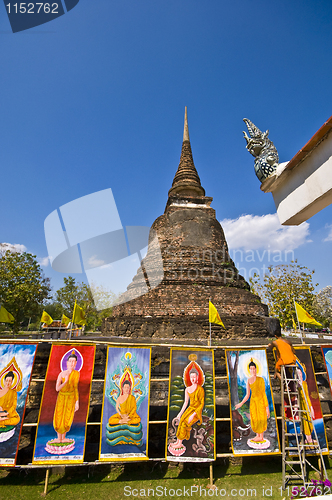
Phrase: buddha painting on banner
{"type": "Point", "coordinates": [65, 404]}
{"type": "Point", "coordinates": [191, 419]}
{"type": "Point", "coordinates": [16, 363]}
{"type": "Point", "coordinates": [309, 401]}
{"type": "Point", "coordinates": [125, 417]}
{"type": "Point", "coordinates": [253, 421]}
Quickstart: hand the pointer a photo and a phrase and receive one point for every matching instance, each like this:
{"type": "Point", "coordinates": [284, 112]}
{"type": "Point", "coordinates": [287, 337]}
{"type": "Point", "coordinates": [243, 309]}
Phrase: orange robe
{"type": "Point", "coordinates": [65, 404]}
{"type": "Point", "coordinates": [128, 407]}
{"type": "Point", "coordinates": [287, 357]}
{"type": "Point", "coordinates": [258, 405]}
{"type": "Point", "coordinates": [196, 406]}
{"type": "Point", "coordinates": [8, 403]}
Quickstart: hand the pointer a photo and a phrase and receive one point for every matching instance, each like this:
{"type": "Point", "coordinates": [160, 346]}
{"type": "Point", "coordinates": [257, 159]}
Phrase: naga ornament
{"type": "Point", "coordinates": [263, 149]}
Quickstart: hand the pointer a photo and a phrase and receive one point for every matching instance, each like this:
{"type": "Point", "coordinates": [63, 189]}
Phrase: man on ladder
{"type": "Point", "coordinates": [285, 353]}
{"type": "Point", "coordinates": [297, 415]}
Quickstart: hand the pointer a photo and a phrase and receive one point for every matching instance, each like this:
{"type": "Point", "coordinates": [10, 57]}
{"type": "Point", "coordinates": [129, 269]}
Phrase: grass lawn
{"type": "Point", "coordinates": [256, 477]}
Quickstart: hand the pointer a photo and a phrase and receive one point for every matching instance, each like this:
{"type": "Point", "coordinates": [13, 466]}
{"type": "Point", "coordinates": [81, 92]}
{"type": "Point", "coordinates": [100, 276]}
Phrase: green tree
{"type": "Point", "coordinates": [281, 286]}
{"type": "Point", "coordinates": [23, 286]}
{"type": "Point", "coordinates": [103, 298]}
{"type": "Point", "coordinates": [65, 297]}
{"type": "Point", "coordinates": [323, 306]}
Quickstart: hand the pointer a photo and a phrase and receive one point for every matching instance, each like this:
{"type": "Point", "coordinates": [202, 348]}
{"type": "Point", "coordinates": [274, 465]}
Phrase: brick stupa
{"type": "Point", "coordinates": [197, 267]}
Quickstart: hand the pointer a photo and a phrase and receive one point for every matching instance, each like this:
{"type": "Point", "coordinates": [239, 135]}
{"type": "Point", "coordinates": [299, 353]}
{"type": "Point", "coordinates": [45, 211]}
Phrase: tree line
{"type": "Point", "coordinates": [284, 284]}
{"type": "Point", "coordinates": [25, 292]}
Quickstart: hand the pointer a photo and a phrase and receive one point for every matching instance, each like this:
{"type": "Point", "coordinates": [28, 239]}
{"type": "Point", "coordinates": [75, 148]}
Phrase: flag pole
{"type": "Point", "coordinates": [210, 339]}
{"type": "Point", "coordinates": [298, 322]}
{"type": "Point", "coordinates": [72, 320]}
{"type": "Point", "coordinates": [209, 344]}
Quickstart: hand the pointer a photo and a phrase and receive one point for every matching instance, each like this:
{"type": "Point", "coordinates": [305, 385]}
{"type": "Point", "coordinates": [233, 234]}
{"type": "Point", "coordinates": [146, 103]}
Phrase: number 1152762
{"type": "Point", "coordinates": [32, 8]}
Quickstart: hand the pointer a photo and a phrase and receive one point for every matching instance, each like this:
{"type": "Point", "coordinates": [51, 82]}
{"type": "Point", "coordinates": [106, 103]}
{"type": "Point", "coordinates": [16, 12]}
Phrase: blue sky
{"type": "Point", "coordinates": [95, 99]}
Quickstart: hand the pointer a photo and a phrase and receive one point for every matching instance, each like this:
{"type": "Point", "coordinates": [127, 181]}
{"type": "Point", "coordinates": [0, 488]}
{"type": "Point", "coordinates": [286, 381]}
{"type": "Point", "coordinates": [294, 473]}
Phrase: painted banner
{"type": "Point", "coordinates": [309, 388]}
{"type": "Point", "coordinates": [327, 355]}
{"type": "Point", "coordinates": [125, 414]}
{"type": "Point", "coordinates": [253, 420]}
{"type": "Point", "coordinates": [16, 363]}
{"type": "Point", "coordinates": [191, 406]}
{"type": "Point", "coordinates": [64, 408]}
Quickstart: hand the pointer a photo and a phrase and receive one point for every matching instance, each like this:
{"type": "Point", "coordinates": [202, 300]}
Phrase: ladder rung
{"type": "Point", "coordinates": [292, 477]}
{"type": "Point", "coordinates": [293, 462]}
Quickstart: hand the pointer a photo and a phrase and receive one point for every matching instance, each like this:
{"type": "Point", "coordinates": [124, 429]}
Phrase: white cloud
{"type": "Point", "coordinates": [43, 261]}
{"type": "Point", "coordinates": [251, 232]}
{"type": "Point", "coordinates": [95, 262]}
{"type": "Point", "coordinates": [12, 247]}
{"type": "Point", "coordinates": [329, 236]}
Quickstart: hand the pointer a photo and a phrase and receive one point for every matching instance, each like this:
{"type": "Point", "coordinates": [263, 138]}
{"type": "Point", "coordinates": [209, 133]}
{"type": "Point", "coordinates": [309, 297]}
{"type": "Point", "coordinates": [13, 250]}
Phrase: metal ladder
{"type": "Point", "coordinates": [295, 465]}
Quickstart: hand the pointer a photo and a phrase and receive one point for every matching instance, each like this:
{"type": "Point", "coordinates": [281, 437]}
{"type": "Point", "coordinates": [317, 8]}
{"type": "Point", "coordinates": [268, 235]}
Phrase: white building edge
{"type": "Point", "coordinates": [303, 186]}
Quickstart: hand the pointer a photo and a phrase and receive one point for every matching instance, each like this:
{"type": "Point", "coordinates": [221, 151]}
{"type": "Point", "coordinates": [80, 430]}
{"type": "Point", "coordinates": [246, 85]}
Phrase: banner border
{"type": "Point", "coordinates": [230, 406]}
{"type": "Point", "coordinates": [123, 459]}
{"type": "Point", "coordinates": [63, 462]}
{"type": "Point", "coordinates": [194, 459]}
{"type": "Point", "coordinates": [26, 399]}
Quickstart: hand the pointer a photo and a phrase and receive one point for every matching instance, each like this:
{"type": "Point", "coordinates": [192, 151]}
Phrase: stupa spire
{"type": "Point", "coordinates": [185, 128]}
{"type": "Point", "coordinates": [188, 250]}
{"type": "Point", "coordinates": [186, 182]}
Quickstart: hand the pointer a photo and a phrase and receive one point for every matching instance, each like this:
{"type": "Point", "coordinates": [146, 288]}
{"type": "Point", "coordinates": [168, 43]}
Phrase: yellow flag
{"type": "Point", "coordinates": [214, 315]}
{"type": "Point", "coordinates": [78, 315]}
{"type": "Point", "coordinates": [65, 320]}
{"type": "Point", "coordinates": [304, 316]}
{"type": "Point", "coordinates": [46, 318]}
{"type": "Point", "coordinates": [5, 316]}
